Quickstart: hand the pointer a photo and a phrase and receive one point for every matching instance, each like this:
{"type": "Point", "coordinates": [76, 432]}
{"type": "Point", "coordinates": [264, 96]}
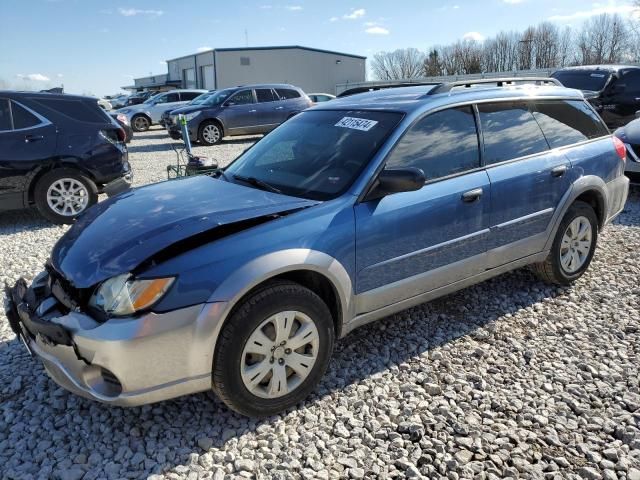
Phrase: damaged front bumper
{"type": "Point", "coordinates": [125, 361]}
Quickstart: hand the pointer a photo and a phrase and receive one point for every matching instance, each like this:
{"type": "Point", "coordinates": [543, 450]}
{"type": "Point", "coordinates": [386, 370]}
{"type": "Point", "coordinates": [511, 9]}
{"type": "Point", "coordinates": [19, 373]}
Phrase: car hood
{"type": "Point", "coordinates": [630, 133]}
{"type": "Point", "coordinates": [187, 109]}
{"type": "Point", "coordinates": [117, 235]}
{"type": "Point", "coordinates": [134, 108]}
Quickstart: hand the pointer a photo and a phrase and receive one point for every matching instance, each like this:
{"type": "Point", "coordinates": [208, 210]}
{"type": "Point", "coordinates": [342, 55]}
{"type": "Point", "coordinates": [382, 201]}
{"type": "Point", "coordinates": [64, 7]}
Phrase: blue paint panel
{"type": "Point", "coordinates": [596, 158]}
{"type": "Point", "coordinates": [393, 235]}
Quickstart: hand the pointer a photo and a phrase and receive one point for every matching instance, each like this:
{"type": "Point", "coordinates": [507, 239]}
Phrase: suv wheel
{"type": "Point", "coordinates": [273, 350]}
{"type": "Point", "coordinates": [140, 123]}
{"type": "Point", "coordinates": [210, 133]}
{"type": "Point", "coordinates": [573, 247]}
{"type": "Point", "coordinates": [62, 194]}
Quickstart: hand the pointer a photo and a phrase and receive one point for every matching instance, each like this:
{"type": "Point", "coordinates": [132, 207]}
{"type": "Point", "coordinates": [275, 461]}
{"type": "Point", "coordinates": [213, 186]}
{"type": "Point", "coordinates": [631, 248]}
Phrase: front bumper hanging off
{"type": "Point", "coordinates": [125, 361]}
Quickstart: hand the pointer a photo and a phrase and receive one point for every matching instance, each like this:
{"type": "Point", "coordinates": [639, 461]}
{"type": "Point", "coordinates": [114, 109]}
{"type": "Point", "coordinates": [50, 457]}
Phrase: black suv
{"type": "Point", "coordinates": [57, 152]}
{"type": "Point", "coordinates": [614, 90]}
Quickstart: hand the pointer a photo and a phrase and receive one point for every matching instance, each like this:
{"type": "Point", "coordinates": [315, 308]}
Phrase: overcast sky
{"type": "Point", "coordinates": [97, 46]}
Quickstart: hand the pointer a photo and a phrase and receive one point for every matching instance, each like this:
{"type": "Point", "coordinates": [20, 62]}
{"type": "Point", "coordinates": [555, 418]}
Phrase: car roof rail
{"type": "Point", "coordinates": [499, 82]}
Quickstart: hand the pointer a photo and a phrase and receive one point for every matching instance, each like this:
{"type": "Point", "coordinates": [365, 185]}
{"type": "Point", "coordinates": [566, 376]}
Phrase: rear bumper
{"type": "Point", "coordinates": [125, 361]}
{"type": "Point", "coordinates": [617, 192]}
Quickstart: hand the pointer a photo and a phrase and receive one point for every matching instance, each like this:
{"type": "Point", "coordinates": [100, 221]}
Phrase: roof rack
{"type": "Point", "coordinates": [383, 86]}
{"type": "Point", "coordinates": [500, 82]}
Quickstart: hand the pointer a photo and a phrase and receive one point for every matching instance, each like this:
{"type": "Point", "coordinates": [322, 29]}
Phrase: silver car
{"type": "Point", "coordinates": [148, 113]}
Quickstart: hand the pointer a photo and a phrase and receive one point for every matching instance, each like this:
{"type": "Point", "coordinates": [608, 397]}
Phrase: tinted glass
{"type": "Point", "coordinates": [189, 95]}
{"type": "Point", "coordinates": [509, 131]}
{"type": "Point", "coordinates": [243, 97]}
{"type": "Point", "coordinates": [76, 109]}
{"type": "Point", "coordinates": [567, 122]}
{"type": "Point", "coordinates": [631, 80]}
{"type": "Point", "coordinates": [441, 144]}
{"type": "Point", "coordinates": [286, 93]}
{"type": "Point", "coordinates": [5, 118]}
{"type": "Point", "coordinates": [594, 80]}
{"type": "Point", "coordinates": [265, 95]}
{"type": "Point", "coordinates": [23, 118]}
{"type": "Point", "coordinates": [316, 154]}
{"type": "Point", "coordinates": [172, 97]}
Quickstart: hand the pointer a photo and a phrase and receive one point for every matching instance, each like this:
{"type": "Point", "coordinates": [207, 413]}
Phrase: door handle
{"type": "Point", "coordinates": [252, 111]}
{"type": "Point", "coordinates": [279, 108]}
{"type": "Point", "coordinates": [472, 195]}
{"type": "Point", "coordinates": [559, 171]}
{"type": "Point", "coordinates": [33, 138]}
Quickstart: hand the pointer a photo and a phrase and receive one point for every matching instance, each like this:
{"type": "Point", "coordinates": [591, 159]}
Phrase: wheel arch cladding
{"type": "Point", "coordinates": [70, 163]}
{"type": "Point", "coordinates": [595, 199]}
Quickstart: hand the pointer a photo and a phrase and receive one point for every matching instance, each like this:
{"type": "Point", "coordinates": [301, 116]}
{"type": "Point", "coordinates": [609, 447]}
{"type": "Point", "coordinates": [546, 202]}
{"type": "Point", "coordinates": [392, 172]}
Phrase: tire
{"type": "Point", "coordinates": [210, 133]}
{"type": "Point", "coordinates": [49, 195]}
{"type": "Point", "coordinates": [556, 269]}
{"type": "Point", "coordinates": [294, 306]}
{"type": "Point", "coordinates": [140, 123]}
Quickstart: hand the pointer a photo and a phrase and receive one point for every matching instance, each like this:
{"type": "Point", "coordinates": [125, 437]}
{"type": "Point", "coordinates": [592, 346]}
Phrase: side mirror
{"type": "Point", "coordinates": [396, 180]}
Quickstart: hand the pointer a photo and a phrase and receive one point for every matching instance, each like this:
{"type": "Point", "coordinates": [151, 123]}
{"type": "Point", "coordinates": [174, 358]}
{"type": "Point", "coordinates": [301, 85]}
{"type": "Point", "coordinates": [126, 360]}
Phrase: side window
{"type": "Point", "coordinates": [567, 122]}
{"type": "Point", "coordinates": [172, 97]}
{"type": "Point", "coordinates": [287, 93]}
{"type": "Point", "coordinates": [5, 115]}
{"type": "Point", "coordinates": [76, 109]}
{"type": "Point", "coordinates": [22, 118]}
{"type": "Point", "coordinates": [509, 132]}
{"type": "Point", "coordinates": [188, 95]}
{"type": "Point", "coordinates": [242, 97]}
{"type": "Point", "coordinates": [441, 144]}
{"type": "Point", "coordinates": [631, 80]}
{"type": "Point", "coordinates": [265, 95]}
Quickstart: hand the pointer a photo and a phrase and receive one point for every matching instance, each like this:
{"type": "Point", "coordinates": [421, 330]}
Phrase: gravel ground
{"type": "Point", "coordinates": [509, 378]}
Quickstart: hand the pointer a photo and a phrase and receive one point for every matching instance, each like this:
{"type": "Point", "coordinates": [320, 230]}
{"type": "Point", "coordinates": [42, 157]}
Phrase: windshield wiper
{"type": "Point", "coordinates": [257, 183]}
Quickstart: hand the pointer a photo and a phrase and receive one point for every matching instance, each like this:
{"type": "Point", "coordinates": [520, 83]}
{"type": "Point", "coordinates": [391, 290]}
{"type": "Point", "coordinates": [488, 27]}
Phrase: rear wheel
{"type": "Point", "coordinates": [273, 350]}
{"type": "Point", "coordinates": [140, 123]}
{"type": "Point", "coordinates": [64, 193]}
{"type": "Point", "coordinates": [573, 246]}
{"type": "Point", "coordinates": [210, 133]}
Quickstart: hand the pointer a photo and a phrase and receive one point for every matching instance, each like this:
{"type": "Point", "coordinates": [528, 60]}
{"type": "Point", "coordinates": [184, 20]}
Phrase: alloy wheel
{"type": "Point", "coordinates": [67, 197]}
{"type": "Point", "coordinates": [141, 123]}
{"type": "Point", "coordinates": [280, 354]}
{"type": "Point", "coordinates": [211, 133]}
{"type": "Point", "coordinates": [576, 244]}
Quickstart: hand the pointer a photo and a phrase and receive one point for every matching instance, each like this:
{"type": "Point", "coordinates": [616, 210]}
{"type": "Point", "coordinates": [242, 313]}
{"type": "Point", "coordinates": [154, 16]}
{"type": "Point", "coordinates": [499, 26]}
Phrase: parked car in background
{"type": "Point", "coordinates": [320, 97]}
{"type": "Point", "coordinates": [614, 90]}
{"type": "Point", "coordinates": [241, 110]}
{"type": "Point", "coordinates": [139, 97]}
{"type": "Point", "coordinates": [149, 112]}
{"type": "Point", "coordinates": [119, 101]}
{"type": "Point", "coordinates": [57, 153]}
{"type": "Point", "coordinates": [345, 214]}
{"type": "Point", "coordinates": [123, 121]}
{"type": "Point", "coordinates": [104, 104]}
{"type": "Point", "coordinates": [166, 116]}
{"type": "Point", "coordinates": [630, 136]}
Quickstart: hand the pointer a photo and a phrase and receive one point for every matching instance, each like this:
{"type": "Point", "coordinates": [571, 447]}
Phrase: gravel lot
{"type": "Point", "coordinates": [509, 378]}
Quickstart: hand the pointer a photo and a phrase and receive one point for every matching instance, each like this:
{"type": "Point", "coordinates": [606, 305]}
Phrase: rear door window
{"type": "Point", "coordinates": [265, 95]}
{"type": "Point", "coordinates": [287, 93]}
{"type": "Point", "coordinates": [441, 144]}
{"type": "Point", "coordinates": [510, 131]}
{"type": "Point", "coordinates": [567, 122]}
{"type": "Point", "coordinates": [5, 115]}
{"type": "Point", "coordinates": [75, 109]}
{"type": "Point", "coordinates": [22, 118]}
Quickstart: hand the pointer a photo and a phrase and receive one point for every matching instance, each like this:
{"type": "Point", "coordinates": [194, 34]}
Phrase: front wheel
{"type": "Point", "coordinates": [140, 123]}
{"type": "Point", "coordinates": [273, 350]}
{"type": "Point", "coordinates": [210, 133]}
{"type": "Point", "coordinates": [64, 193]}
{"type": "Point", "coordinates": [573, 246]}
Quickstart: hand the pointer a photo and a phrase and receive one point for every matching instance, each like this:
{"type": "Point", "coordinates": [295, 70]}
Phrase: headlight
{"type": "Point", "coordinates": [123, 295]}
{"type": "Point", "coordinates": [191, 116]}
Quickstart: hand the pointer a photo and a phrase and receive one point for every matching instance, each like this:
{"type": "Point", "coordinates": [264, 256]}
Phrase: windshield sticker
{"type": "Point", "coordinates": [356, 123]}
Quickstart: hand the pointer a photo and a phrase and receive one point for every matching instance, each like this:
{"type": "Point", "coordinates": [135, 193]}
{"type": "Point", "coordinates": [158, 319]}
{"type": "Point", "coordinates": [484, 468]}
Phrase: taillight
{"type": "Point", "coordinates": [621, 150]}
{"type": "Point", "coordinates": [122, 136]}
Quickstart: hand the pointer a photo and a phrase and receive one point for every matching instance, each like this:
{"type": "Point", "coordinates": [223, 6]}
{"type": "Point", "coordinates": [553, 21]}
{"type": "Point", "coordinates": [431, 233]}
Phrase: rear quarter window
{"type": "Point", "coordinates": [79, 110]}
{"type": "Point", "coordinates": [510, 131]}
{"type": "Point", "coordinates": [565, 122]}
{"type": "Point", "coordinates": [22, 118]}
{"type": "Point", "coordinates": [287, 93]}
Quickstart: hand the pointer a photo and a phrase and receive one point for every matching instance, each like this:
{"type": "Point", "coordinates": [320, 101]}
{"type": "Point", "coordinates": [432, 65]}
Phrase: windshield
{"type": "Point", "coordinates": [153, 97]}
{"type": "Point", "coordinates": [200, 99]}
{"type": "Point", "coordinates": [317, 154]}
{"type": "Point", "coordinates": [593, 80]}
{"type": "Point", "coordinates": [218, 97]}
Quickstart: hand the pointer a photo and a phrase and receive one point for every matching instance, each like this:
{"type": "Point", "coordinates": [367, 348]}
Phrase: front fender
{"type": "Point", "coordinates": [261, 269]}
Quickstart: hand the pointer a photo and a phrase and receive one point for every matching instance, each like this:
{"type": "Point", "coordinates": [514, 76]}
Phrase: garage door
{"type": "Point", "coordinates": [208, 81]}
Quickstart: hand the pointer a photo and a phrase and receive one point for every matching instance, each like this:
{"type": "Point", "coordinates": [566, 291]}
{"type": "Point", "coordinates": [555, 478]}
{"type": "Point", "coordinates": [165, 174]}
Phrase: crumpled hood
{"type": "Point", "coordinates": [117, 235]}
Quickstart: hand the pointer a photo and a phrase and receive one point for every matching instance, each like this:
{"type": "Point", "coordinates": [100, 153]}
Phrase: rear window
{"type": "Point", "coordinates": [593, 80]}
{"type": "Point", "coordinates": [5, 115]}
{"type": "Point", "coordinates": [22, 118]}
{"type": "Point", "coordinates": [509, 132]}
{"type": "Point", "coordinates": [287, 93]}
{"type": "Point", "coordinates": [265, 95]}
{"type": "Point", "coordinates": [567, 122]}
{"type": "Point", "coordinates": [82, 111]}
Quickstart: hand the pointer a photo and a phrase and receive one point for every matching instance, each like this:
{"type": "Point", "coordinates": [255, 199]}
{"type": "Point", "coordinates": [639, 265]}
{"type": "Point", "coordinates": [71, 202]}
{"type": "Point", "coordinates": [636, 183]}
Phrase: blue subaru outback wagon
{"type": "Point", "coordinates": [348, 212]}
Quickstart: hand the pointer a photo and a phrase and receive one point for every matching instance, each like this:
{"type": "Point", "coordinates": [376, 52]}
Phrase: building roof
{"type": "Point", "coordinates": [282, 47]}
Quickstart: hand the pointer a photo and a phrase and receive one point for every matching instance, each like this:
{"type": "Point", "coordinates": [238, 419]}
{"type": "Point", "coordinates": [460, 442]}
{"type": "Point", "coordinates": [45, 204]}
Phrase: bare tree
{"type": "Point", "coordinates": [397, 65]}
{"type": "Point", "coordinates": [433, 66]}
{"type": "Point", "coordinates": [602, 39]}
{"type": "Point", "coordinates": [545, 45]}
